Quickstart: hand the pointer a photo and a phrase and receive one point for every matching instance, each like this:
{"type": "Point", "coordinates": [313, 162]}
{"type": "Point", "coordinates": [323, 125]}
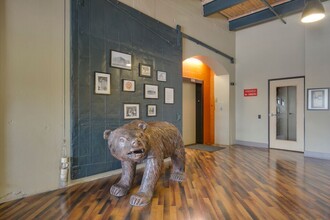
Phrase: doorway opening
{"type": "Point", "coordinates": [198, 102]}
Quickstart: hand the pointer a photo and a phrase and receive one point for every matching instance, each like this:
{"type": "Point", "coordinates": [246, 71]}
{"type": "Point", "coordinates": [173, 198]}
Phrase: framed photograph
{"type": "Point", "coordinates": [169, 95]}
{"type": "Point", "coordinates": [131, 111]}
{"type": "Point", "coordinates": [150, 91]}
{"type": "Point", "coordinates": [318, 99]}
{"type": "Point", "coordinates": [161, 76]}
{"type": "Point", "coordinates": [151, 110]}
{"type": "Point", "coordinates": [120, 60]}
{"type": "Point", "coordinates": [102, 83]}
{"type": "Point", "coordinates": [145, 70]}
{"type": "Point", "coordinates": [128, 85]}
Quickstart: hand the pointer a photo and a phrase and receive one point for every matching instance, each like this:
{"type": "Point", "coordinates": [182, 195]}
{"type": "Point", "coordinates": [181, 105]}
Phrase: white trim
{"type": "Point", "coordinates": [274, 142]}
{"type": "Point", "coordinates": [318, 155]}
{"type": "Point", "coordinates": [251, 144]}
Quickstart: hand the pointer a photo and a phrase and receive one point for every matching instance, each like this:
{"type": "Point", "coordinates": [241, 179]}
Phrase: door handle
{"type": "Point", "coordinates": [272, 114]}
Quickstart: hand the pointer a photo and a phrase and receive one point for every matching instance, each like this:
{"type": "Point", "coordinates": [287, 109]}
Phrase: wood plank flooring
{"type": "Point", "coordinates": [234, 183]}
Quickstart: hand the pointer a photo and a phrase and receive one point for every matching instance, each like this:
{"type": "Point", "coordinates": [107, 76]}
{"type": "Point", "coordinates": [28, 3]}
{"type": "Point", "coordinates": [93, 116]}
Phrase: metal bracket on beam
{"type": "Point", "coordinates": [273, 10]}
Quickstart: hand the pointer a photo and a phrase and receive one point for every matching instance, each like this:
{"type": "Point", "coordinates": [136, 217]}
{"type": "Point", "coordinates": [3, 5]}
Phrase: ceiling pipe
{"type": "Point", "coordinates": [272, 9]}
{"type": "Point", "coordinates": [198, 42]}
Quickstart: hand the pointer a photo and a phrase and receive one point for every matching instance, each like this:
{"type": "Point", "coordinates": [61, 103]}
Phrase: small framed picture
{"type": "Point", "coordinates": [318, 99]}
{"type": "Point", "coordinates": [120, 60]}
{"type": "Point", "coordinates": [128, 85]}
{"type": "Point", "coordinates": [161, 76]}
{"type": "Point", "coordinates": [151, 110]}
{"type": "Point", "coordinates": [169, 95]}
{"type": "Point", "coordinates": [145, 70]}
{"type": "Point", "coordinates": [131, 111]}
{"type": "Point", "coordinates": [150, 91]}
{"type": "Point", "coordinates": [102, 83]}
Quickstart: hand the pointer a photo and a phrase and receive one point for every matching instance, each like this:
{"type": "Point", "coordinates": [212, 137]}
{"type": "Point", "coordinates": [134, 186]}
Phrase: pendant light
{"type": "Point", "coordinates": [313, 11]}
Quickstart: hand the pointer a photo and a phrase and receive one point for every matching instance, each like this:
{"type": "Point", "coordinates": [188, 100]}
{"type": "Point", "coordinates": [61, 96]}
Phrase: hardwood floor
{"type": "Point", "coordinates": [234, 183]}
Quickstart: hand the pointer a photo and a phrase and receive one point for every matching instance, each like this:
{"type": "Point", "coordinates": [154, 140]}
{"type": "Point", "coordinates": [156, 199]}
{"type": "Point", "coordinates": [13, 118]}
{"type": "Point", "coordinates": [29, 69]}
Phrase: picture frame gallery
{"type": "Point", "coordinates": [120, 60]}
{"type": "Point", "coordinates": [131, 111]}
{"type": "Point", "coordinates": [169, 96]}
{"type": "Point", "coordinates": [123, 61]}
{"type": "Point", "coordinates": [102, 83]}
{"type": "Point", "coordinates": [161, 76]}
{"type": "Point", "coordinates": [128, 85]}
{"type": "Point", "coordinates": [145, 70]}
{"type": "Point", "coordinates": [150, 91]}
{"type": "Point", "coordinates": [151, 110]}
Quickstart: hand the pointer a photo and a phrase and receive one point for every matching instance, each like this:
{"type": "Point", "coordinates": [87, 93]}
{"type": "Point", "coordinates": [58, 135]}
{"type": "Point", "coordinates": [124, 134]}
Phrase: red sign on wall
{"type": "Point", "coordinates": [250, 92]}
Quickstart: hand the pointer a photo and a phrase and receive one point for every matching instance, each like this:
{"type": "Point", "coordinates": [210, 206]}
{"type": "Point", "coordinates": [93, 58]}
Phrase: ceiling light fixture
{"type": "Point", "coordinates": [313, 11]}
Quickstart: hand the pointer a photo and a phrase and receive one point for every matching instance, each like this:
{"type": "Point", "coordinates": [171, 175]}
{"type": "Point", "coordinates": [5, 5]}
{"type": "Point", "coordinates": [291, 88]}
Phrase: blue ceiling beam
{"type": "Point", "coordinates": [218, 5]}
{"type": "Point", "coordinates": [287, 8]}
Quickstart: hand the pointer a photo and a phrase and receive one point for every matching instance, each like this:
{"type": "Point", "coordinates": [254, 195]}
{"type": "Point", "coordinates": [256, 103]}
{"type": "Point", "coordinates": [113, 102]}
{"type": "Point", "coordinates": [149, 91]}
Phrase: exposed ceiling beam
{"type": "Point", "coordinates": [287, 8]}
{"type": "Point", "coordinates": [218, 5]}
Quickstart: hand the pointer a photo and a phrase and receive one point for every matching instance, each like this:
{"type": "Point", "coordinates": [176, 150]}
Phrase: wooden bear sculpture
{"type": "Point", "coordinates": [152, 141]}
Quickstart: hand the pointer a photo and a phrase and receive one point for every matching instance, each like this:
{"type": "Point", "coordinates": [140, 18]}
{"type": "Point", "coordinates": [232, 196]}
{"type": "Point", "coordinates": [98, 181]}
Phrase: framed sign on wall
{"type": "Point", "coordinates": [318, 99]}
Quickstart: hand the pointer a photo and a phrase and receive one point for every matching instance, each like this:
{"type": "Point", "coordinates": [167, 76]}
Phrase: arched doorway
{"type": "Point", "coordinates": [202, 79]}
{"type": "Point", "coordinates": [216, 115]}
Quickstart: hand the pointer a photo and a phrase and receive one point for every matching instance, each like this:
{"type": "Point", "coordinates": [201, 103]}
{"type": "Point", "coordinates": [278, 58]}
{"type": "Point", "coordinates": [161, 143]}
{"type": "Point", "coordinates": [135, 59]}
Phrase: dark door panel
{"type": "Point", "coordinates": [199, 113]}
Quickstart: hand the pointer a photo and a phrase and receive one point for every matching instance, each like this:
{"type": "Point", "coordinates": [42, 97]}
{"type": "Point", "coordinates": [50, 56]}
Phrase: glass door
{"type": "Point", "coordinates": [286, 106]}
{"type": "Point", "coordinates": [286, 122]}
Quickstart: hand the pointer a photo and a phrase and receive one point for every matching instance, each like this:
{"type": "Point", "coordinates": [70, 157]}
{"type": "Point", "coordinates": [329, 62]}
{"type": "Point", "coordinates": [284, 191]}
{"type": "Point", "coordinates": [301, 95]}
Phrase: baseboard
{"type": "Point", "coordinates": [251, 144]}
{"type": "Point", "coordinates": [18, 195]}
{"type": "Point", "coordinates": [318, 155]}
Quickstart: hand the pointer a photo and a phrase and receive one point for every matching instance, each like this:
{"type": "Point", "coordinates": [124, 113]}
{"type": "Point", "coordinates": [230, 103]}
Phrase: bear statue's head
{"type": "Point", "coordinates": [128, 142]}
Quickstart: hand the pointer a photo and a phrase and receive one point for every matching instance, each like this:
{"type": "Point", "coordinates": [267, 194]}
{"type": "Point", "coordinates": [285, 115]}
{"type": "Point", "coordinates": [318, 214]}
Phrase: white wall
{"type": "Point", "coordinates": [268, 51]}
{"type": "Point", "coordinates": [218, 69]}
{"type": "Point", "coordinates": [212, 30]}
{"type": "Point", "coordinates": [189, 112]}
{"type": "Point", "coordinates": [32, 76]}
{"type": "Point", "coordinates": [317, 74]}
{"type": "Point", "coordinates": [222, 110]}
{"type": "Point", "coordinates": [34, 39]}
{"type": "Point", "coordinates": [274, 50]}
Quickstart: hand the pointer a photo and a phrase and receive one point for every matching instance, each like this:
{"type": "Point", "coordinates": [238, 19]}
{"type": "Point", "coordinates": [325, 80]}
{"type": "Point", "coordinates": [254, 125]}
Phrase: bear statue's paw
{"type": "Point", "coordinates": [177, 176]}
{"type": "Point", "coordinates": [119, 190]}
{"type": "Point", "coordinates": [140, 199]}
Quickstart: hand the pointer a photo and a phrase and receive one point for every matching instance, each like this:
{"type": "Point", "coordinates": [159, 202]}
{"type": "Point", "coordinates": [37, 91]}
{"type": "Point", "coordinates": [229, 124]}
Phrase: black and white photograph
{"type": "Point", "coordinates": [120, 60]}
{"type": "Point", "coordinates": [145, 70]}
{"type": "Point", "coordinates": [128, 85]}
{"type": "Point", "coordinates": [318, 99]}
{"type": "Point", "coordinates": [161, 76]}
{"type": "Point", "coordinates": [169, 95]}
{"type": "Point", "coordinates": [131, 111]}
{"type": "Point", "coordinates": [151, 110]}
{"type": "Point", "coordinates": [102, 83]}
{"type": "Point", "coordinates": [150, 91]}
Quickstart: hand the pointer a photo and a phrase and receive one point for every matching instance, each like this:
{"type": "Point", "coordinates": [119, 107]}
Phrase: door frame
{"type": "Point", "coordinates": [286, 78]}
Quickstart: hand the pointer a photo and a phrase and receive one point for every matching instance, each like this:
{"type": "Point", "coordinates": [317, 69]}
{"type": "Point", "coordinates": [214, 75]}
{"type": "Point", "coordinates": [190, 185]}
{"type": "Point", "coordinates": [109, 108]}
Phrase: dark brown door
{"type": "Point", "coordinates": [199, 113]}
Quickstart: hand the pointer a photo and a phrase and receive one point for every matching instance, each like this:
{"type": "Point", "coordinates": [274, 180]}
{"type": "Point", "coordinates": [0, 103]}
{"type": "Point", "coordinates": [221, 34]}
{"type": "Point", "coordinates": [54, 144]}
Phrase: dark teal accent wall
{"type": "Point", "coordinates": [99, 26]}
